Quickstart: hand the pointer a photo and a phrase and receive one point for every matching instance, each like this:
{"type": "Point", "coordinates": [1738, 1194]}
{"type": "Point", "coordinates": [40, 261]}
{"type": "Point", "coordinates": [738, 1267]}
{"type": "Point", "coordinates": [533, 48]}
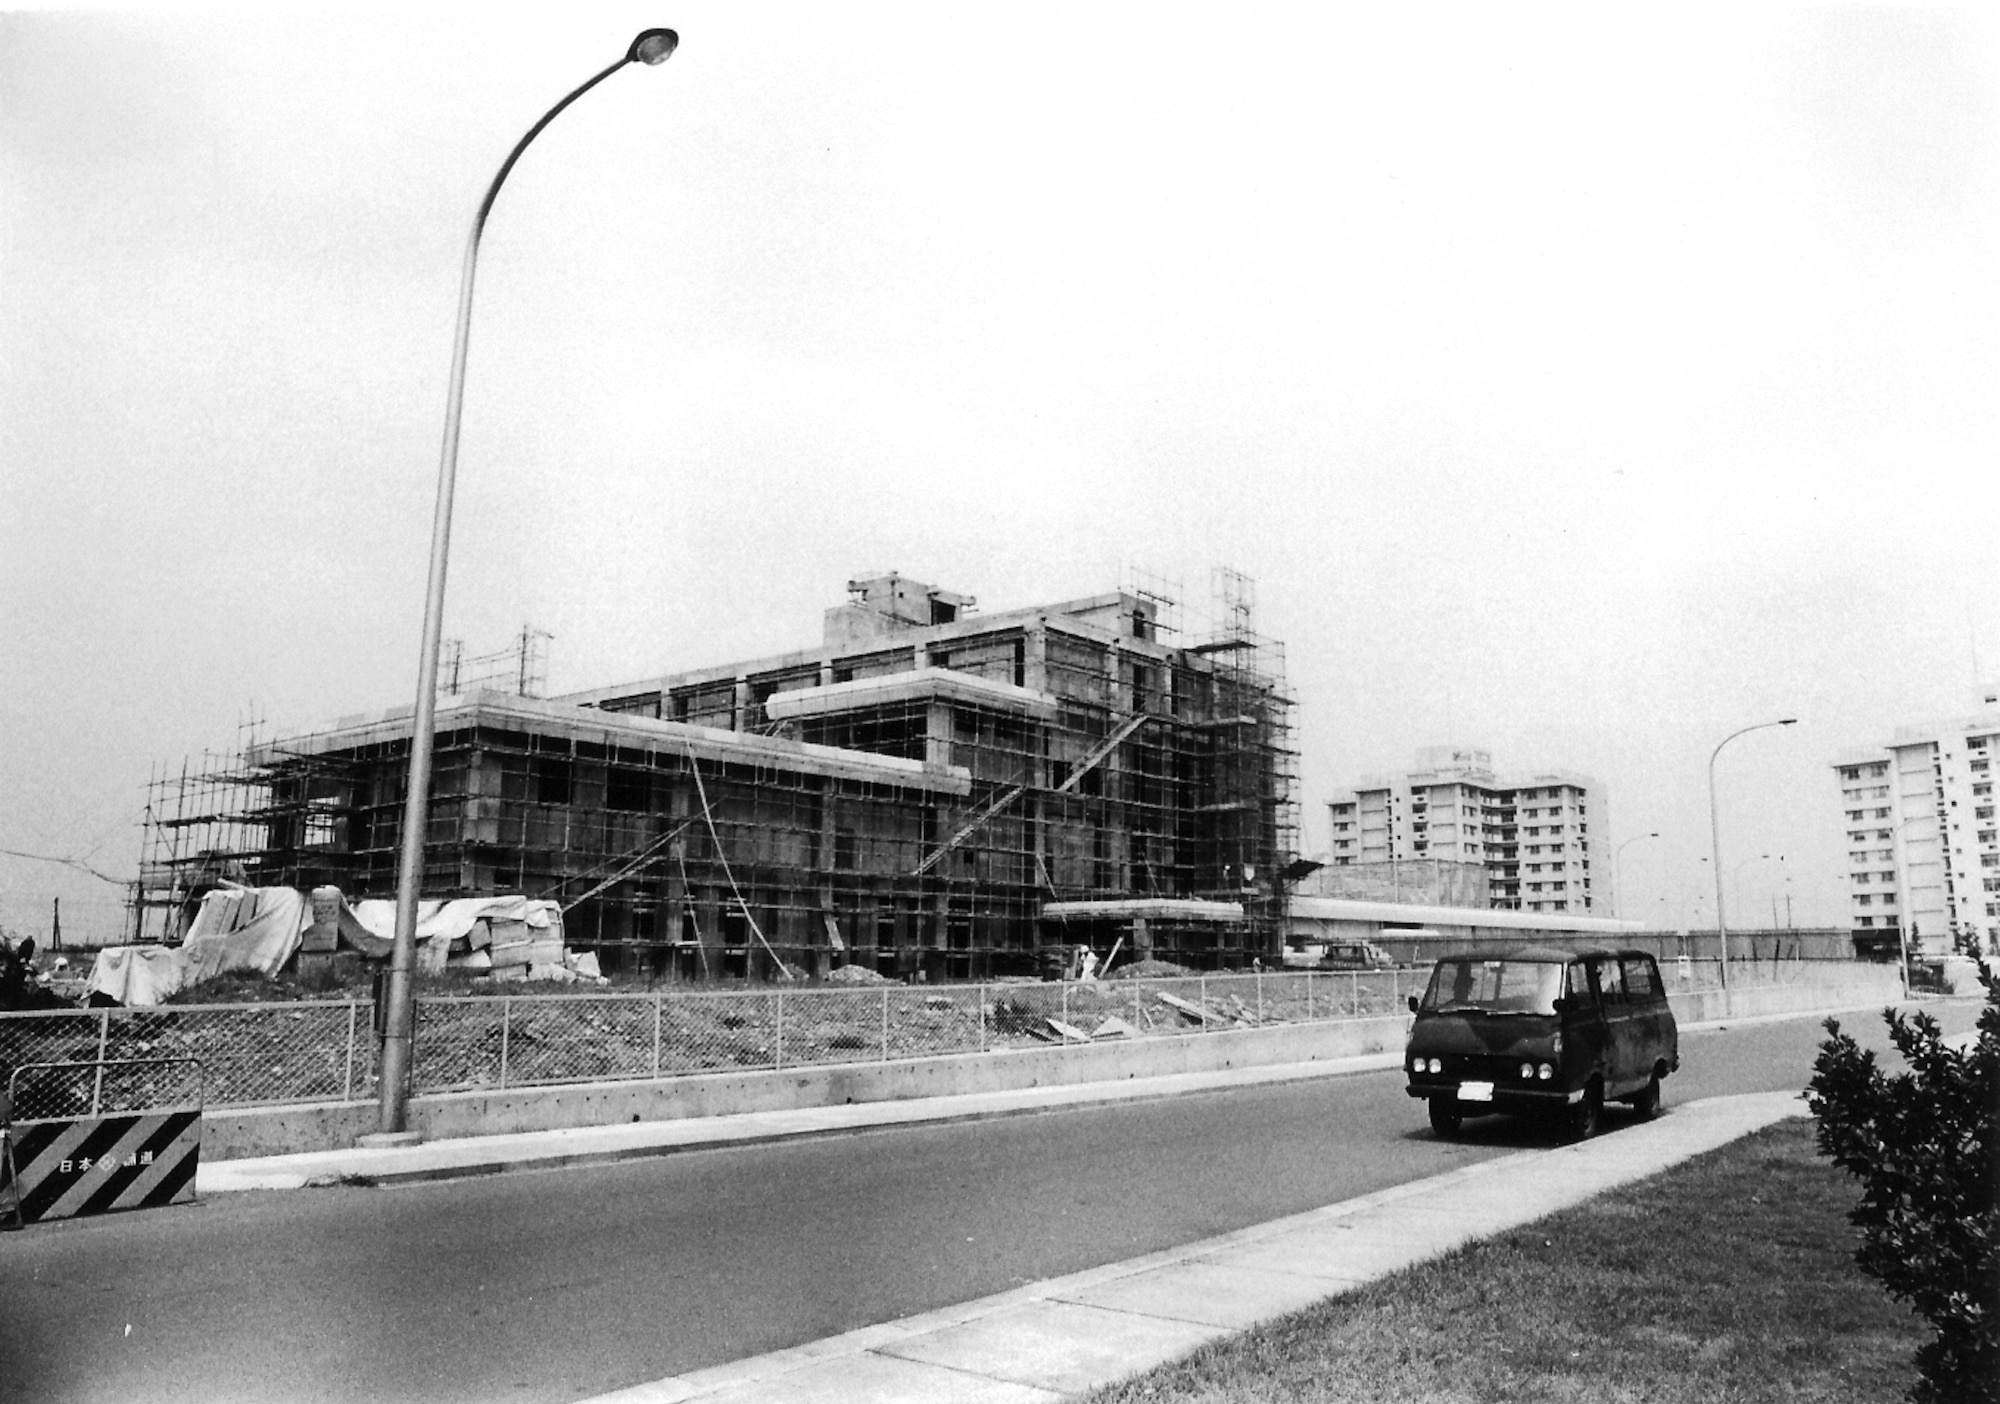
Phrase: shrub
{"type": "Point", "coordinates": [1921, 1143]}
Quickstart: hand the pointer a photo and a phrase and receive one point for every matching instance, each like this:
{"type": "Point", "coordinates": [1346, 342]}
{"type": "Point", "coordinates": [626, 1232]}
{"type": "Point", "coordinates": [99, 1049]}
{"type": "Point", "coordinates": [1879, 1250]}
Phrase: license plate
{"type": "Point", "coordinates": [1475, 1091]}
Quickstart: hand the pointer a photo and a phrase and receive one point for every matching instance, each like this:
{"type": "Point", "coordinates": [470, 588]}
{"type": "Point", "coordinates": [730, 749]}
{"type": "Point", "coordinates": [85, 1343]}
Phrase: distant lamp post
{"type": "Point", "coordinates": [1736, 877]}
{"type": "Point", "coordinates": [1715, 836]}
{"type": "Point", "coordinates": [651, 47]}
{"type": "Point", "coordinates": [1618, 866]}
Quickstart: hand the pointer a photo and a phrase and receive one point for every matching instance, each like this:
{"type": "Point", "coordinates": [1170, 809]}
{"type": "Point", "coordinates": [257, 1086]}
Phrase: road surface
{"type": "Point", "coordinates": [557, 1285]}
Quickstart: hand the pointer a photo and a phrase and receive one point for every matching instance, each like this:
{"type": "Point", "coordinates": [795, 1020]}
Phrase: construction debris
{"type": "Point", "coordinates": [1200, 1013]}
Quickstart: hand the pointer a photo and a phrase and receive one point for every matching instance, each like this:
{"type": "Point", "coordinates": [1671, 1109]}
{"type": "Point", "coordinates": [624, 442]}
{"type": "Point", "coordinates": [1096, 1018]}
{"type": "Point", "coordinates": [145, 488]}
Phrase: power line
{"type": "Point", "coordinates": [76, 863]}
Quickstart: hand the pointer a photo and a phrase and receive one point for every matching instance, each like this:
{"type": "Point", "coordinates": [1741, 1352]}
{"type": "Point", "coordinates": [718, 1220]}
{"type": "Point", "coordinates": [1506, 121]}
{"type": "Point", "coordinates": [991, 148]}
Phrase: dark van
{"type": "Point", "coordinates": [1541, 1030]}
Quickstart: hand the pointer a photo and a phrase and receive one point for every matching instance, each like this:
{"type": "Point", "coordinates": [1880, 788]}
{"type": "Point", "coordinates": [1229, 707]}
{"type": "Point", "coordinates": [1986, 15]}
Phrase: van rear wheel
{"type": "Point", "coordinates": [1446, 1118]}
{"type": "Point", "coordinates": [1647, 1103]}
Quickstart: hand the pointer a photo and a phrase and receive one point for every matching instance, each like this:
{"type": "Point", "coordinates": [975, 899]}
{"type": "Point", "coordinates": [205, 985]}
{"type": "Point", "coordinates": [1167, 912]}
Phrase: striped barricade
{"type": "Point", "coordinates": [98, 1160]}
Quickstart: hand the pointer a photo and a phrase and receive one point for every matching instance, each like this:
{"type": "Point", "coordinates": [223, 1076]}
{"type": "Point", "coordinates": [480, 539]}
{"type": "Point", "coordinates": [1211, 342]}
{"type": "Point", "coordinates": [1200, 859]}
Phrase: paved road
{"type": "Point", "coordinates": [560, 1285]}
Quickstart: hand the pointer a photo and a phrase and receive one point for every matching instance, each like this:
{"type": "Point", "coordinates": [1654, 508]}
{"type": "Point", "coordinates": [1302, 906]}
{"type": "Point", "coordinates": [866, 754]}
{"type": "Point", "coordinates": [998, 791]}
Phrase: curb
{"type": "Point", "coordinates": [404, 1166]}
{"type": "Point", "coordinates": [474, 1157]}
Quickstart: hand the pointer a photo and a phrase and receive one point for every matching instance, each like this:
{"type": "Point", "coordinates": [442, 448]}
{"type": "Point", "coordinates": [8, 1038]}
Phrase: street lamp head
{"type": "Point", "coordinates": [1788, 721]}
{"type": "Point", "coordinates": [653, 46]}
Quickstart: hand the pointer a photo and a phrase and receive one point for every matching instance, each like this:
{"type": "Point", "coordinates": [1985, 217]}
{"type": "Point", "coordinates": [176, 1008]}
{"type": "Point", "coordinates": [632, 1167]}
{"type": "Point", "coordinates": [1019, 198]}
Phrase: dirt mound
{"type": "Point", "coordinates": [855, 975]}
{"type": "Point", "coordinates": [1149, 970]}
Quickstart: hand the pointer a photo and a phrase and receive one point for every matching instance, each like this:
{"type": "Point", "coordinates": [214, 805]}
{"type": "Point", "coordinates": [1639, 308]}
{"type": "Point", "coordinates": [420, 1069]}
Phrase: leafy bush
{"type": "Point", "coordinates": [1922, 1145]}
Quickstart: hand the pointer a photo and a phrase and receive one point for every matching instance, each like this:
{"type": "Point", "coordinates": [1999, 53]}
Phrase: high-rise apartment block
{"type": "Point", "coordinates": [1923, 846]}
{"type": "Point", "coordinates": [1535, 835]}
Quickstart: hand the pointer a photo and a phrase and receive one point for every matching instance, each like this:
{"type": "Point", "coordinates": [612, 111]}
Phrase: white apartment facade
{"type": "Point", "coordinates": [1923, 845]}
{"type": "Point", "coordinates": [1540, 837]}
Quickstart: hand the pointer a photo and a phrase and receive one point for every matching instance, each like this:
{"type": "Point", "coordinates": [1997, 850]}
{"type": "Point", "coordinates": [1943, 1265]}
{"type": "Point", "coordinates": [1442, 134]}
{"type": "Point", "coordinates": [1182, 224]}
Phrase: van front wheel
{"type": "Point", "coordinates": [1647, 1103]}
{"type": "Point", "coordinates": [1446, 1118]}
{"type": "Point", "coordinates": [1586, 1115]}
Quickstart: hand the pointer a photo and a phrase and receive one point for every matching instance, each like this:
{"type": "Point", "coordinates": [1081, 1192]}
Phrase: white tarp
{"type": "Point", "coordinates": [244, 928]}
{"type": "Point", "coordinates": [261, 929]}
{"type": "Point", "coordinates": [136, 974]}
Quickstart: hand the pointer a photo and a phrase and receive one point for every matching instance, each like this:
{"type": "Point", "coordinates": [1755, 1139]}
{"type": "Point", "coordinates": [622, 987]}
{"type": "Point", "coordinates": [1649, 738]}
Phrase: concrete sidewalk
{"type": "Point", "coordinates": [1054, 1339]}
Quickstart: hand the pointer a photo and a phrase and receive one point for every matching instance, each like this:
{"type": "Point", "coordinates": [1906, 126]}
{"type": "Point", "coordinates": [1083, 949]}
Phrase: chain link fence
{"type": "Point", "coordinates": [266, 1054]}
{"type": "Point", "coordinates": [249, 1054]}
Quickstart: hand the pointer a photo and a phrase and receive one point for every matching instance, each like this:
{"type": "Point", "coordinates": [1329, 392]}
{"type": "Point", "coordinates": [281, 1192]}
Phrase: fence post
{"type": "Point", "coordinates": [103, 1041]}
{"type": "Point", "coordinates": [1260, 992]}
{"type": "Point", "coordinates": [778, 1039]}
{"type": "Point", "coordinates": [506, 1035]}
{"type": "Point", "coordinates": [1201, 994]}
{"type": "Point", "coordinates": [658, 999]}
{"type": "Point", "coordinates": [982, 1018]}
{"type": "Point", "coordinates": [885, 1023]}
{"type": "Point", "coordinates": [1354, 992]}
{"type": "Point", "coordinates": [1309, 996]}
{"type": "Point", "coordinates": [1065, 1001]}
{"type": "Point", "coordinates": [347, 1082]}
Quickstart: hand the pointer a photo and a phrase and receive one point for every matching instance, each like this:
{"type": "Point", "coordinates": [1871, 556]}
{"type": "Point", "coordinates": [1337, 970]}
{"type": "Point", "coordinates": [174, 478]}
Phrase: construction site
{"type": "Point", "coordinates": [930, 793]}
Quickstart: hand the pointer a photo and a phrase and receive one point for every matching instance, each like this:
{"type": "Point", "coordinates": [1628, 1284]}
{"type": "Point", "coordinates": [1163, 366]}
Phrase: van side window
{"type": "Point", "coordinates": [1577, 984]}
{"type": "Point", "coordinates": [1642, 979]}
{"type": "Point", "coordinates": [1610, 983]}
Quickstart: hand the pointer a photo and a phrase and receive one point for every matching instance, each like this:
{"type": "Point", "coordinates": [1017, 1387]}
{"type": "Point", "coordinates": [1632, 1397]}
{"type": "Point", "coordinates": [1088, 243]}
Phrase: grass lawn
{"type": "Point", "coordinates": [1730, 1277]}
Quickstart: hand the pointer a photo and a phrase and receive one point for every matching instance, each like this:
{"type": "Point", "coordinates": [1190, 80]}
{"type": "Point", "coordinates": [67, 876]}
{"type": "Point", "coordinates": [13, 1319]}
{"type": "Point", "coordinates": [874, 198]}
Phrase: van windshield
{"type": "Point", "coordinates": [1494, 986]}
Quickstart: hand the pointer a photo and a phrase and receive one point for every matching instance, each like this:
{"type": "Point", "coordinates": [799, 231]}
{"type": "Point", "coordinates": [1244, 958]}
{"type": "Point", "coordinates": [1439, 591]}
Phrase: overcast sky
{"type": "Point", "coordinates": [1584, 382]}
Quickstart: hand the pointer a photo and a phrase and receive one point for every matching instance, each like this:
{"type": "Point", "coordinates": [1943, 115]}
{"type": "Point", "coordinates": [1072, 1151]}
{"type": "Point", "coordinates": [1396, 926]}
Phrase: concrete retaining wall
{"type": "Point", "coordinates": [1839, 987]}
{"type": "Point", "coordinates": [232, 1133]}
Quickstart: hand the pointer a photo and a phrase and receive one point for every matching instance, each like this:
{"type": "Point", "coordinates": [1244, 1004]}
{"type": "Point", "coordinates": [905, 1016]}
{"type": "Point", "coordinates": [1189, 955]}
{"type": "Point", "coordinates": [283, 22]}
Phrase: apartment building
{"type": "Point", "coordinates": [1923, 845]}
{"type": "Point", "coordinates": [1537, 836]}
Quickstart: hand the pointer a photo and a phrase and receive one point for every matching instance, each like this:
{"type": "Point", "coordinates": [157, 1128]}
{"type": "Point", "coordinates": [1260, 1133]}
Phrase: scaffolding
{"type": "Point", "coordinates": [918, 799]}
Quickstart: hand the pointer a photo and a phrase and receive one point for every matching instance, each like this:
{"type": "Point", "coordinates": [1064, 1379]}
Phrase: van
{"type": "Point", "coordinates": [1355, 955]}
{"type": "Point", "coordinates": [1541, 1031]}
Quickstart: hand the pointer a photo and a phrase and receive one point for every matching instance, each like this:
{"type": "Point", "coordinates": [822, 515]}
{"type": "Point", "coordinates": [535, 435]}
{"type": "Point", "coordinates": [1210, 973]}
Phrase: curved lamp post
{"type": "Point", "coordinates": [1618, 866]}
{"type": "Point", "coordinates": [1715, 836]}
{"type": "Point", "coordinates": [652, 46]}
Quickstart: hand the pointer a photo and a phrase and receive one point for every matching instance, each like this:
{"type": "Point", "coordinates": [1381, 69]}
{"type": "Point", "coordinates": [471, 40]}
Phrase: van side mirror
{"type": "Point", "coordinates": [1413, 1004]}
{"type": "Point", "coordinates": [1565, 1003]}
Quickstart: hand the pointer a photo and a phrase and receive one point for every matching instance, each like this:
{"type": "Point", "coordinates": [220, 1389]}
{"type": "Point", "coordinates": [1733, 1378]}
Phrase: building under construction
{"type": "Point", "coordinates": [929, 790]}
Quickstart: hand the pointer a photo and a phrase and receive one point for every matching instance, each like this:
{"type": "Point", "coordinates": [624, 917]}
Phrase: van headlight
{"type": "Point", "coordinates": [1527, 1070]}
{"type": "Point", "coordinates": [1545, 1072]}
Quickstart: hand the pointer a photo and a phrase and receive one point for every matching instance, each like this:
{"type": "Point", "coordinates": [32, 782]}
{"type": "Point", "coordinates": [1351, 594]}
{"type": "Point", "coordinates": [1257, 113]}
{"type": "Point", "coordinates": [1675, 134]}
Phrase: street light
{"type": "Point", "coordinates": [1618, 869]}
{"type": "Point", "coordinates": [1715, 836]}
{"type": "Point", "coordinates": [651, 47]}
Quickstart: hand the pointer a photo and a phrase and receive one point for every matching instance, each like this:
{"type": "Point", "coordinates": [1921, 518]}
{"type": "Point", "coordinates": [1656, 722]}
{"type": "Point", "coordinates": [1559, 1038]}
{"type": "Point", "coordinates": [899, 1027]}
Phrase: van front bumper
{"type": "Point", "coordinates": [1516, 1096]}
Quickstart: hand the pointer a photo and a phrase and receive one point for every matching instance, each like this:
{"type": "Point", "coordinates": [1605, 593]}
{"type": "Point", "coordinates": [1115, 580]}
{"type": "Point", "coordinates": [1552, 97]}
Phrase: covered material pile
{"type": "Point", "coordinates": [261, 929]}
